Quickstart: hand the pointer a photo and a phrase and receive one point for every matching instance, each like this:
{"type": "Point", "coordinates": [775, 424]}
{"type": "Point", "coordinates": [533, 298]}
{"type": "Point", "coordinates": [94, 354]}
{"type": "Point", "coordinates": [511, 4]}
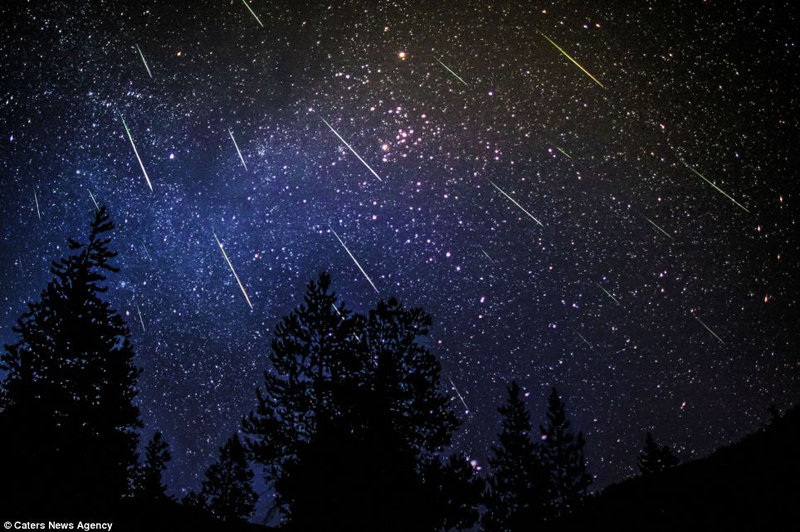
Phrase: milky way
{"type": "Point", "coordinates": [650, 299]}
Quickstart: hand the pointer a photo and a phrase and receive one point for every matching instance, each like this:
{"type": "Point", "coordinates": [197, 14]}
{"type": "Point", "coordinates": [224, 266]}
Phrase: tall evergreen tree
{"type": "Point", "coordinates": [655, 458]}
{"type": "Point", "coordinates": [518, 486]}
{"type": "Point", "coordinates": [227, 490]}
{"type": "Point", "coordinates": [562, 452]}
{"type": "Point", "coordinates": [68, 419]}
{"type": "Point", "coordinates": [150, 484]}
{"type": "Point", "coordinates": [351, 421]}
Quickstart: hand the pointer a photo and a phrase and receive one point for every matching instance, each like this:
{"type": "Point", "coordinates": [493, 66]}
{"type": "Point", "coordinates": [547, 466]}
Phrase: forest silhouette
{"type": "Point", "coordinates": [350, 430]}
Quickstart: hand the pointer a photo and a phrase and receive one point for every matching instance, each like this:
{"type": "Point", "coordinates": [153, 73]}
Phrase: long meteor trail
{"type": "Point", "coordinates": [253, 12]}
{"type": "Point", "coordinates": [230, 265]}
{"type": "Point", "coordinates": [609, 294]}
{"type": "Point", "coordinates": [515, 203]}
{"type": "Point", "coordinates": [355, 261]}
{"type": "Point", "coordinates": [96, 206]}
{"type": "Point", "coordinates": [709, 329]}
{"type": "Point", "coordinates": [36, 199]}
{"type": "Point", "coordinates": [658, 227]}
{"type": "Point", "coordinates": [458, 394]}
{"type": "Point", "coordinates": [451, 71]}
{"type": "Point", "coordinates": [571, 59]}
{"type": "Point", "coordinates": [141, 320]}
{"type": "Point", "coordinates": [237, 150]}
{"type": "Point", "coordinates": [352, 150]}
{"type": "Point", "coordinates": [141, 164]}
{"type": "Point", "coordinates": [584, 339]}
{"type": "Point", "coordinates": [715, 186]}
{"type": "Point", "coordinates": [143, 61]}
{"type": "Point", "coordinates": [559, 149]}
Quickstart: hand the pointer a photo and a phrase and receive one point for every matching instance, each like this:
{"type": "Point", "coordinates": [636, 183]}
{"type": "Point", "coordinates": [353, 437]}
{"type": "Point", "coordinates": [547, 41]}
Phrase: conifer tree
{"type": "Point", "coordinates": [516, 496]}
{"type": "Point", "coordinates": [655, 458]}
{"type": "Point", "coordinates": [68, 419]}
{"type": "Point", "coordinates": [227, 489]}
{"type": "Point", "coordinates": [562, 452]}
{"type": "Point", "coordinates": [150, 483]}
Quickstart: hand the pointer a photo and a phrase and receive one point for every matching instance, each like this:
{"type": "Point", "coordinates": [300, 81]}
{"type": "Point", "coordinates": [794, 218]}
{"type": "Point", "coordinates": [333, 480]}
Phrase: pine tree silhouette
{"type": "Point", "coordinates": [68, 419]}
{"type": "Point", "coordinates": [150, 485]}
{"type": "Point", "coordinates": [655, 458]}
{"type": "Point", "coordinates": [351, 421]}
{"type": "Point", "coordinates": [227, 490]}
{"type": "Point", "coordinates": [518, 486]}
{"type": "Point", "coordinates": [562, 452]}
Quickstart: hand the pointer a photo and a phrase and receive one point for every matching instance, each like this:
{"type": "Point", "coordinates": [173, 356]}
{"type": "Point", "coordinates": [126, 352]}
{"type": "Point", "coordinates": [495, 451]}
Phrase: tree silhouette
{"type": "Point", "coordinates": [518, 486]}
{"type": "Point", "coordinates": [351, 423]}
{"type": "Point", "coordinates": [562, 452]}
{"type": "Point", "coordinates": [68, 419]}
{"type": "Point", "coordinates": [227, 490]}
{"type": "Point", "coordinates": [150, 485]}
{"type": "Point", "coordinates": [655, 458]}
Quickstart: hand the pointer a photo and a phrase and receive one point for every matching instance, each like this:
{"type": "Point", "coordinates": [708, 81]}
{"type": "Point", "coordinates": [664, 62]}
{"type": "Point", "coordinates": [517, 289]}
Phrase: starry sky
{"type": "Point", "coordinates": [599, 196]}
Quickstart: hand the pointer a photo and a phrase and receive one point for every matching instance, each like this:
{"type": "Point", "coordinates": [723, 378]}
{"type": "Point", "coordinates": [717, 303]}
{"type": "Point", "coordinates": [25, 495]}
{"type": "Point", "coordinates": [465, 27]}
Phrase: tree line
{"type": "Point", "coordinates": [351, 429]}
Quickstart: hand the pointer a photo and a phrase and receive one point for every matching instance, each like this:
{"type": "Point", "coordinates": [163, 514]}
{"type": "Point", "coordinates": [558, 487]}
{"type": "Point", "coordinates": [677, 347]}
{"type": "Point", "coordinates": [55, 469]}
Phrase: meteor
{"type": "Point", "coordinates": [230, 265]}
{"type": "Point", "coordinates": [571, 59]}
{"type": "Point", "coordinates": [253, 12]}
{"type": "Point", "coordinates": [584, 339]}
{"type": "Point", "coordinates": [715, 186]}
{"type": "Point", "coordinates": [658, 227]}
{"type": "Point", "coordinates": [143, 61]}
{"type": "Point", "coordinates": [19, 261]}
{"type": "Point", "coordinates": [355, 261]}
{"type": "Point", "coordinates": [237, 150]}
{"type": "Point", "coordinates": [140, 317]}
{"type": "Point", "coordinates": [36, 199]}
{"type": "Point", "coordinates": [487, 255]}
{"type": "Point", "coordinates": [135, 151]}
{"type": "Point", "coordinates": [709, 329]}
{"type": "Point", "coordinates": [147, 253]}
{"type": "Point", "coordinates": [515, 203]}
{"type": "Point", "coordinates": [458, 394]}
{"type": "Point", "coordinates": [96, 206]}
{"type": "Point", "coordinates": [352, 150]}
{"type": "Point", "coordinates": [608, 293]}
{"type": "Point", "coordinates": [559, 149]}
{"type": "Point", "coordinates": [451, 71]}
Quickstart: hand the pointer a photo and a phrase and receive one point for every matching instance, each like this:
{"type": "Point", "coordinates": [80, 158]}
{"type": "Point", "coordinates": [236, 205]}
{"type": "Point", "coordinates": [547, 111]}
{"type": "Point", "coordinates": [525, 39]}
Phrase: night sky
{"type": "Point", "coordinates": [644, 267]}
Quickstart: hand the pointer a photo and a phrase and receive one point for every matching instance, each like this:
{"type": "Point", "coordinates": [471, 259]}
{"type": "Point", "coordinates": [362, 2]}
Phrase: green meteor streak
{"type": "Point", "coordinates": [571, 59]}
{"type": "Point", "coordinates": [715, 186]}
{"type": "Point", "coordinates": [709, 330]}
{"type": "Point", "coordinates": [657, 227]}
{"type": "Point", "coordinates": [451, 71]}
{"type": "Point", "coordinates": [608, 294]}
{"type": "Point", "coordinates": [135, 151]}
{"type": "Point", "coordinates": [253, 12]}
{"type": "Point", "coordinates": [515, 203]}
{"type": "Point", "coordinates": [143, 61]}
{"type": "Point", "coordinates": [559, 149]}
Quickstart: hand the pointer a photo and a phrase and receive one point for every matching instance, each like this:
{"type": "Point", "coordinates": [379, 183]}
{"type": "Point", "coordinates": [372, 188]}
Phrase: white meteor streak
{"type": "Point", "coordinates": [352, 150]}
{"type": "Point", "coordinates": [515, 203]}
{"type": "Point", "coordinates": [704, 178]}
{"type": "Point", "coordinates": [96, 206]}
{"type": "Point", "coordinates": [36, 199]}
{"type": "Point", "coordinates": [584, 339]}
{"type": "Point", "coordinates": [609, 294]}
{"type": "Point", "coordinates": [709, 330]}
{"type": "Point", "coordinates": [135, 151]}
{"type": "Point", "coordinates": [141, 320]}
{"type": "Point", "coordinates": [451, 71]}
{"type": "Point", "coordinates": [355, 261]}
{"type": "Point", "coordinates": [458, 394]}
{"type": "Point", "coordinates": [253, 12]}
{"type": "Point", "coordinates": [230, 265]}
{"type": "Point", "coordinates": [143, 61]}
{"type": "Point", "coordinates": [237, 150]}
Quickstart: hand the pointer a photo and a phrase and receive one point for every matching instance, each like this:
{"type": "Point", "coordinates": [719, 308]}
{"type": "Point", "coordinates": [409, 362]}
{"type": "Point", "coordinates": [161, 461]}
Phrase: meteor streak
{"type": "Point", "coordinates": [451, 71]}
{"type": "Point", "coordinates": [237, 150]}
{"type": "Point", "coordinates": [356, 262]}
{"type": "Point", "coordinates": [352, 150]}
{"type": "Point", "coordinates": [19, 261]}
{"type": "Point", "coordinates": [608, 293]}
{"type": "Point", "coordinates": [140, 317]}
{"type": "Point", "coordinates": [584, 339]}
{"type": "Point", "coordinates": [657, 227]}
{"type": "Point", "coordinates": [143, 61]}
{"type": "Point", "coordinates": [487, 255]}
{"type": "Point", "coordinates": [253, 12]}
{"type": "Point", "coordinates": [230, 265]}
{"type": "Point", "coordinates": [559, 149]}
{"type": "Point", "coordinates": [36, 199]}
{"type": "Point", "coordinates": [96, 206]}
{"type": "Point", "coordinates": [715, 186]}
{"type": "Point", "coordinates": [709, 329]}
{"type": "Point", "coordinates": [130, 137]}
{"type": "Point", "coordinates": [571, 59]}
{"type": "Point", "coordinates": [515, 203]}
{"type": "Point", "coordinates": [147, 253]}
{"type": "Point", "coordinates": [458, 394]}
